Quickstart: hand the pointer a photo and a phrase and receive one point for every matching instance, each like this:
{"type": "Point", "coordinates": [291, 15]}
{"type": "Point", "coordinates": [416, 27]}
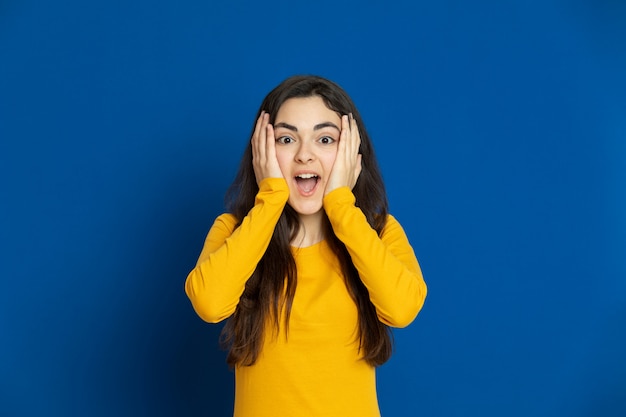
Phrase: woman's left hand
{"type": "Point", "coordinates": [347, 166]}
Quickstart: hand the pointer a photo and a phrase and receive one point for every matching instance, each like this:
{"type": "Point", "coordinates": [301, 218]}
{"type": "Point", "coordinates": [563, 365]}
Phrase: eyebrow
{"type": "Point", "coordinates": [316, 127]}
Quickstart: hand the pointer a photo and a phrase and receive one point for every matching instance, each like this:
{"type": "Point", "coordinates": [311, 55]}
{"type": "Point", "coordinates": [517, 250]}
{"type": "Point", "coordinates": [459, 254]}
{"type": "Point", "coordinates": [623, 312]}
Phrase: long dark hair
{"type": "Point", "coordinates": [272, 286]}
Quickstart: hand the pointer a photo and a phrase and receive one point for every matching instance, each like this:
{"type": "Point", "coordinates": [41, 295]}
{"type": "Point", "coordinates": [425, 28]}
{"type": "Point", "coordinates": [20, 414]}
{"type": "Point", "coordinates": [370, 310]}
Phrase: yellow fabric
{"type": "Point", "coordinates": [317, 370]}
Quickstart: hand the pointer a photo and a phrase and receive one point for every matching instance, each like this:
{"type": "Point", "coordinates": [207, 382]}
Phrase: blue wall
{"type": "Point", "coordinates": [501, 132]}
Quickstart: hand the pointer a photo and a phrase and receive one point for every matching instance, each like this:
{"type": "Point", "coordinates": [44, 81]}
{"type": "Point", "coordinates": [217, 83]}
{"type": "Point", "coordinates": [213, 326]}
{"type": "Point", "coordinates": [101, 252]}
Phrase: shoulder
{"type": "Point", "coordinates": [391, 222]}
{"type": "Point", "coordinates": [392, 228]}
{"type": "Point", "coordinates": [226, 222]}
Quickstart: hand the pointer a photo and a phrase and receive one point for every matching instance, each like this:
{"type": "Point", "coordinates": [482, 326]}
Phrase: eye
{"type": "Point", "coordinates": [284, 140]}
{"type": "Point", "coordinates": [326, 140]}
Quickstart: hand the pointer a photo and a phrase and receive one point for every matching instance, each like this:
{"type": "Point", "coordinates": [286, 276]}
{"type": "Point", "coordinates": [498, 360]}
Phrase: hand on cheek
{"type": "Point", "coordinates": [347, 166]}
{"type": "Point", "coordinates": [264, 159]}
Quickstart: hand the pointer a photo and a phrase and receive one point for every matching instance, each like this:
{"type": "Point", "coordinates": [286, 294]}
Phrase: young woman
{"type": "Point", "coordinates": [308, 266]}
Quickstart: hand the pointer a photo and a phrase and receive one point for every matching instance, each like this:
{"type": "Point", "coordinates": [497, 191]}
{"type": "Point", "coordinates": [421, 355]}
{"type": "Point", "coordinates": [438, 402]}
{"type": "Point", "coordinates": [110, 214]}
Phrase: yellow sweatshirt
{"type": "Point", "coordinates": [317, 370]}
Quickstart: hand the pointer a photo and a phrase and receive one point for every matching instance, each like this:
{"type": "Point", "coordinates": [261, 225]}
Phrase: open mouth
{"type": "Point", "coordinates": [307, 182]}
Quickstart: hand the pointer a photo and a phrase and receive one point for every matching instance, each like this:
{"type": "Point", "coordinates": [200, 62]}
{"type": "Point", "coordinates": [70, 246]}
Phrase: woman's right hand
{"type": "Point", "coordinates": [264, 159]}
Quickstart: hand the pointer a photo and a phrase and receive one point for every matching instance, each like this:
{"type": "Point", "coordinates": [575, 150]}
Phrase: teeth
{"type": "Point", "coordinates": [307, 176]}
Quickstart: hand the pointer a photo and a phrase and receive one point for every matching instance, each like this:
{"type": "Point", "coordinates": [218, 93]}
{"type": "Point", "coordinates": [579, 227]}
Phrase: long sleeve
{"type": "Point", "coordinates": [230, 255]}
{"type": "Point", "coordinates": [387, 264]}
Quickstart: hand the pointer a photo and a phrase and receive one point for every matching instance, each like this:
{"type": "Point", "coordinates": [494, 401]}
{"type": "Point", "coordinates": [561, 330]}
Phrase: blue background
{"type": "Point", "coordinates": [501, 132]}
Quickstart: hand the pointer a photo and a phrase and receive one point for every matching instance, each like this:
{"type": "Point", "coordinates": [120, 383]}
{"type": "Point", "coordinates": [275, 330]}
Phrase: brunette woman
{"type": "Point", "coordinates": [307, 265]}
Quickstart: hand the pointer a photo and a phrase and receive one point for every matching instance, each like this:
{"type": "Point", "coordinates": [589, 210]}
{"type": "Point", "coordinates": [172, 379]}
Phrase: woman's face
{"type": "Point", "coordinates": [307, 134]}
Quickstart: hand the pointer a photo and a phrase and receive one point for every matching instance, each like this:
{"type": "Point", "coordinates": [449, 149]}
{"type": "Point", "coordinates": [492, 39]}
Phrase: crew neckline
{"type": "Point", "coordinates": [304, 248]}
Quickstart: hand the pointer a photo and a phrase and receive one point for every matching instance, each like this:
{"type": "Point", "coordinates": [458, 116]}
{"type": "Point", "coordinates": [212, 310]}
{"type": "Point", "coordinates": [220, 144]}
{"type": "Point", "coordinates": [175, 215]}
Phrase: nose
{"type": "Point", "coordinates": [304, 153]}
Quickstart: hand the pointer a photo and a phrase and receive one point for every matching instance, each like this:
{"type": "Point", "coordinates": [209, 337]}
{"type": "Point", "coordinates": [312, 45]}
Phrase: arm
{"type": "Point", "coordinates": [230, 256]}
{"type": "Point", "coordinates": [386, 264]}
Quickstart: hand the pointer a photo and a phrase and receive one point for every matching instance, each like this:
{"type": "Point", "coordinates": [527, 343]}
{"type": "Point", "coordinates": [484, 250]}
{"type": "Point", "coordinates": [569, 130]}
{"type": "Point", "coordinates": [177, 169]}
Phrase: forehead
{"type": "Point", "coordinates": [306, 110]}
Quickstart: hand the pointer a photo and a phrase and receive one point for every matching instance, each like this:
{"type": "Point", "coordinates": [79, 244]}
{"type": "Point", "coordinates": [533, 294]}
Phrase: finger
{"type": "Point", "coordinates": [262, 139]}
{"type": "Point", "coordinates": [257, 127]}
{"type": "Point", "coordinates": [259, 153]}
{"type": "Point", "coordinates": [270, 142]}
{"type": "Point", "coordinates": [255, 135]}
{"type": "Point", "coordinates": [273, 167]}
{"type": "Point", "coordinates": [344, 137]}
{"type": "Point", "coordinates": [356, 136]}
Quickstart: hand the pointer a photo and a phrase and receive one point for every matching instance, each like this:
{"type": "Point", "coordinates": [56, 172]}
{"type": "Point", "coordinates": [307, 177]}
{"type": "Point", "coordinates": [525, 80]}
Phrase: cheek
{"type": "Point", "coordinates": [329, 159]}
{"type": "Point", "coordinates": [283, 158]}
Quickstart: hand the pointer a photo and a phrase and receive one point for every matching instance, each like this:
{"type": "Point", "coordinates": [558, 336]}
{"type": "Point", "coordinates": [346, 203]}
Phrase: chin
{"type": "Point", "coordinates": [309, 209]}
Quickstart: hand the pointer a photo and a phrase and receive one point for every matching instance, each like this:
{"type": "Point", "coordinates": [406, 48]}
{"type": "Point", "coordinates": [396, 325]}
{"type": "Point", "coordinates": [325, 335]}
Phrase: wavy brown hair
{"type": "Point", "coordinates": [272, 286]}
